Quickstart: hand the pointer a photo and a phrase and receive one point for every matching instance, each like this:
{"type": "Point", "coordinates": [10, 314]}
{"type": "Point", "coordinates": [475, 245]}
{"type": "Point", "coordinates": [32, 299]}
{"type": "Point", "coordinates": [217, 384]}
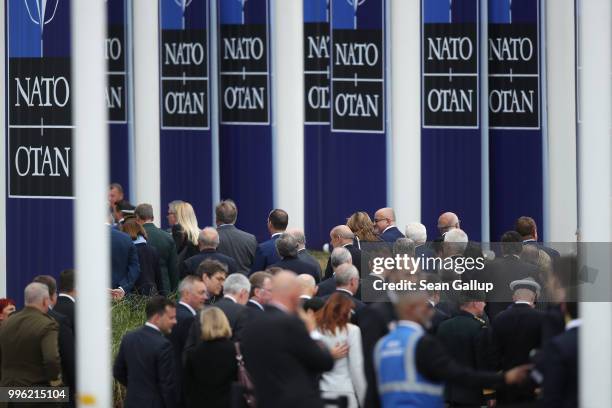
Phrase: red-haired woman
{"type": "Point", "coordinates": [7, 308]}
{"type": "Point", "coordinates": [347, 377]}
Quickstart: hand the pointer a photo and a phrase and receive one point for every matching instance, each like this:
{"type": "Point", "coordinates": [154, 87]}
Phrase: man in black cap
{"type": "Point", "coordinates": [517, 331]}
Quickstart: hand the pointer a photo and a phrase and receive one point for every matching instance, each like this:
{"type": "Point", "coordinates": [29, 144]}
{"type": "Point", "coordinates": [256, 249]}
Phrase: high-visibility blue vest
{"type": "Point", "coordinates": [399, 382]}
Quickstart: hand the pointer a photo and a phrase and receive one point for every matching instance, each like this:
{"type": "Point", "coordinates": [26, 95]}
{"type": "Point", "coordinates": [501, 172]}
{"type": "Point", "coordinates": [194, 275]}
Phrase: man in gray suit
{"type": "Point", "coordinates": [233, 242]}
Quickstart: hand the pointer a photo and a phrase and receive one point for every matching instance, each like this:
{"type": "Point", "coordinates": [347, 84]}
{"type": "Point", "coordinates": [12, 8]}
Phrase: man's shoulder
{"type": "Point", "coordinates": [153, 230]}
{"type": "Point", "coordinates": [235, 231]}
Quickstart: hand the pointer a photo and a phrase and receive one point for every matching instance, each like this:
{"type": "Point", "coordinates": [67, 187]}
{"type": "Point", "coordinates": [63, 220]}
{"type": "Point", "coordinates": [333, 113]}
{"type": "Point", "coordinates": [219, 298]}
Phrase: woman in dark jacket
{"type": "Point", "coordinates": [210, 367]}
{"type": "Point", "coordinates": [149, 282]}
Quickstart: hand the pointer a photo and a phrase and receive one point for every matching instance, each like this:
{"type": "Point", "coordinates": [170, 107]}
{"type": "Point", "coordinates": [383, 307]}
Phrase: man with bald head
{"type": "Point", "coordinates": [384, 225]}
{"type": "Point", "coordinates": [448, 221]}
{"type": "Point", "coordinates": [341, 236]}
{"type": "Point", "coordinates": [308, 286]}
{"type": "Point", "coordinates": [208, 241]}
{"type": "Point", "coordinates": [303, 253]}
{"type": "Point", "coordinates": [281, 350]}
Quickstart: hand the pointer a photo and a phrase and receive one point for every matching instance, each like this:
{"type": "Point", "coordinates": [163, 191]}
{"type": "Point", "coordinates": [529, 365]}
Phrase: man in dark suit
{"type": "Point", "coordinates": [233, 242]}
{"type": "Point", "coordinates": [303, 253]}
{"type": "Point", "coordinates": [502, 271]}
{"type": "Point", "coordinates": [517, 331]}
{"type": "Point", "coordinates": [163, 243]}
{"type": "Point", "coordinates": [192, 296]}
{"type": "Point", "coordinates": [557, 369]}
{"type": "Point", "coordinates": [124, 262]}
{"type": "Point", "coordinates": [384, 225]}
{"type": "Point", "coordinates": [339, 256]}
{"type": "Point", "coordinates": [266, 254]}
{"type": "Point", "coordinates": [213, 273]}
{"type": "Point", "coordinates": [208, 241]}
{"type": "Point", "coordinates": [65, 335]}
{"type": "Point", "coordinates": [28, 343]}
{"type": "Point", "coordinates": [347, 283]}
{"type": "Point", "coordinates": [341, 236]}
{"type": "Point", "coordinates": [527, 228]}
{"type": "Point", "coordinates": [283, 359]}
{"type": "Point", "coordinates": [448, 221]}
{"type": "Point", "coordinates": [261, 287]}
{"type": "Point", "coordinates": [437, 315]}
{"type": "Point", "coordinates": [67, 296]}
{"type": "Point", "coordinates": [145, 363]}
{"type": "Point", "coordinates": [287, 247]}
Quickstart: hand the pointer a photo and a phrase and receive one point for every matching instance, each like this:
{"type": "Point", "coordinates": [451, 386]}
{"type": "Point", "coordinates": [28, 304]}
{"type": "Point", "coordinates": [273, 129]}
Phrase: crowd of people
{"type": "Point", "coordinates": [263, 325]}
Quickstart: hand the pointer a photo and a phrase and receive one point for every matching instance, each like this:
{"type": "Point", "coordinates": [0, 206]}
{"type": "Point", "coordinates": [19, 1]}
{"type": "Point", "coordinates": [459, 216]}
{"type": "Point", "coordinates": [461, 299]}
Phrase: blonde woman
{"type": "Point", "coordinates": [185, 232]}
{"type": "Point", "coordinates": [210, 367]}
{"type": "Point", "coordinates": [362, 226]}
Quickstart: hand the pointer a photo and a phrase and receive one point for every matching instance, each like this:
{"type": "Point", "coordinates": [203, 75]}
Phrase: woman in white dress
{"type": "Point", "coordinates": [347, 377]}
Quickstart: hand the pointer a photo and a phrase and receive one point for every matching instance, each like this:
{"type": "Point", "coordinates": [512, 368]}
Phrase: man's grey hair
{"type": "Point", "coordinates": [286, 245]}
{"type": "Point", "coordinates": [209, 237]}
{"type": "Point", "coordinates": [35, 293]}
{"type": "Point", "coordinates": [404, 246]}
{"type": "Point", "coordinates": [188, 283]}
{"type": "Point", "coordinates": [416, 232]}
{"type": "Point", "coordinates": [456, 240]}
{"type": "Point", "coordinates": [235, 283]}
{"type": "Point", "coordinates": [340, 256]}
{"type": "Point", "coordinates": [298, 234]}
{"type": "Point", "coordinates": [144, 212]}
{"type": "Point", "coordinates": [345, 273]}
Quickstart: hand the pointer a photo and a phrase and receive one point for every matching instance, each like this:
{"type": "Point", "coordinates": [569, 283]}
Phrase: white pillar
{"type": "Point", "coordinates": [90, 139]}
{"type": "Point", "coordinates": [2, 157]}
{"type": "Point", "coordinates": [146, 104]}
{"type": "Point", "coordinates": [561, 221]}
{"type": "Point", "coordinates": [483, 61]}
{"type": "Point", "coordinates": [213, 80]}
{"type": "Point", "coordinates": [287, 44]}
{"type": "Point", "coordinates": [405, 103]}
{"type": "Point", "coordinates": [594, 179]}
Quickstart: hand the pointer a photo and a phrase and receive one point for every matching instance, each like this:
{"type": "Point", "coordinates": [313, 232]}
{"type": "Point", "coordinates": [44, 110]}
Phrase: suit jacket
{"type": "Point", "coordinates": [150, 281]}
{"type": "Point", "coordinates": [166, 250]}
{"type": "Point", "coordinates": [391, 235]}
{"type": "Point", "coordinates": [357, 304]}
{"type": "Point", "coordinates": [327, 287]}
{"type": "Point", "coordinates": [299, 267]}
{"type": "Point", "coordinates": [178, 338]}
{"type": "Point", "coordinates": [66, 348]}
{"type": "Point", "coordinates": [145, 365]}
{"type": "Point", "coordinates": [501, 272]}
{"type": "Point", "coordinates": [28, 349]}
{"type": "Point", "coordinates": [553, 253]}
{"type": "Point", "coordinates": [559, 368]}
{"type": "Point", "coordinates": [437, 319]}
{"type": "Point", "coordinates": [190, 266]}
{"type": "Point", "coordinates": [284, 361]}
{"type": "Point", "coordinates": [265, 255]}
{"type": "Point", "coordinates": [65, 306]}
{"type": "Point", "coordinates": [462, 337]}
{"type": "Point", "coordinates": [210, 370]}
{"type": "Point", "coordinates": [237, 244]}
{"type": "Point", "coordinates": [306, 256]}
{"type": "Point", "coordinates": [124, 261]}
{"type": "Point", "coordinates": [355, 255]}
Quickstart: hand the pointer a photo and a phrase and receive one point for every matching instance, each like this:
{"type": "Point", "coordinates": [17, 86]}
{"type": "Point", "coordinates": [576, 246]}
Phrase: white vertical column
{"type": "Point", "coordinates": [485, 202]}
{"type": "Point", "coordinates": [2, 156]}
{"type": "Point", "coordinates": [561, 221]}
{"type": "Point", "coordinates": [213, 80]}
{"type": "Point", "coordinates": [594, 179]}
{"type": "Point", "coordinates": [405, 98]}
{"type": "Point", "coordinates": [146, 104]}
{"type": "Point", "coordinates": [287, 43]}
{"type": "Point", "coordinates": [90, 139]}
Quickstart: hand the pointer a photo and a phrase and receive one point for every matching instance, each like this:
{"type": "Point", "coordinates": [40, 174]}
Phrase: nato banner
{"type": "Point", "coordinates": [450, 116]}
{"type": "Point", "coordinates": [185, 137]}
{"type": "Point", "coordinates": [117, 98]}
{"type": "Point", "coordinates": [38, 141]}
{"type": "Point", "coordinates": [245, 133]}
{"type": "Point", "coordinates": [345, 129]}
{"type": "Point", "coordinates": [515, 136]}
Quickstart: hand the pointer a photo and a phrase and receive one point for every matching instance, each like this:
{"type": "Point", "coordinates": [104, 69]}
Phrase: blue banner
{"type": "Point", "coordinates": [345, 118]}
{"type": "Point", "coordinates": [515, 136]}
{"type": "Point", "coordinates": [185, 137]}
{"type": "Point", "coordinates": [117, 49]}
{"type": "Point", "coordinates": [450, 136]}
{"type": "Point", "coordinates": [39, 221]}
{"type": "Point", "coordinates": [245, 132]}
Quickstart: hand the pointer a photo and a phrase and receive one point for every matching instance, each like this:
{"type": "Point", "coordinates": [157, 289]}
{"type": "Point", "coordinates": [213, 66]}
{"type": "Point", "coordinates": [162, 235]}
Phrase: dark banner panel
{"type": "Point", "coordinates": [450, 135]}
{"type": "Point", "coordinates": [117, 49]}
{"type": "Point", "coordinates": [185, 137]}
{"type": "Point", "coordinates": [39, 222]}
{"type": "Point", "coordinates": [345, 120]}
{"type": "Point", "coordinates": [515, 136]}
{"type": "Point", "coordinates": [245, 132]}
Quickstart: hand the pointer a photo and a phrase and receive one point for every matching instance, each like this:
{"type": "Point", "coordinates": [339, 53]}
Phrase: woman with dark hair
{"type": "Point", "coordinates": [7, 308]}
{"type": "Point", "coordinates": [347, 377]}
{"type": "Point", "coordinates": [362, 226]}
{"type": "Point", "coordinates": [149, 281]}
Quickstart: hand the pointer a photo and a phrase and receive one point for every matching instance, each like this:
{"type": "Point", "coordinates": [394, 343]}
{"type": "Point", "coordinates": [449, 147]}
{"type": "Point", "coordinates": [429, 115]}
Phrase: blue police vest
{"type": "Point", "coordinates": [399, 382]}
